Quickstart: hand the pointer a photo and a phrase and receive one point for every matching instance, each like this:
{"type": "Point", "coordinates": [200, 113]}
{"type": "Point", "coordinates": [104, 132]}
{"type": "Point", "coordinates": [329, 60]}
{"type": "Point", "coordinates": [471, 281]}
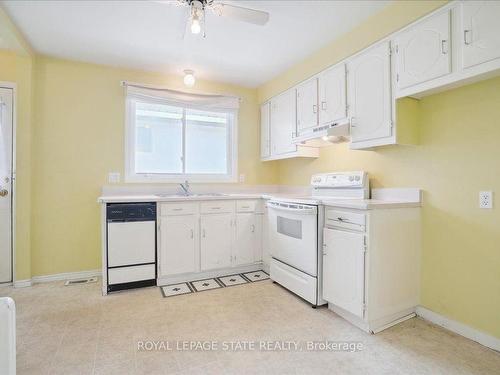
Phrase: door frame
{"type": "Point", "coordinates": [13, 87]}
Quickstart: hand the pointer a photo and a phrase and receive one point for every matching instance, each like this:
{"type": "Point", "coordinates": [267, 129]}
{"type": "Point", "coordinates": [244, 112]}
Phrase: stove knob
{"type": "Point", "coordinates": [357, 178]}
{"type": "Point", "coordinates": [351, 178]}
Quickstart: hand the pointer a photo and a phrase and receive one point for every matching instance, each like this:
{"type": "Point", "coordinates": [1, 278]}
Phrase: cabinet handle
{"type": "Point", "coordinates": [466, 39]}
{"type": "Point", "coordinates": [315, 108]}
{"type": "Point", "coordinates": [192, 233]}
{"type": "Point", "coordinates": [203, 233]}
{"type": "Point", "coordinates": [253, 228]}
{"type": "Point", "coordinates": [323, 106]}
{"type": "Point", "coordinates": [353, 125]}
{"type": "Point", "coordinates": [444, 50]}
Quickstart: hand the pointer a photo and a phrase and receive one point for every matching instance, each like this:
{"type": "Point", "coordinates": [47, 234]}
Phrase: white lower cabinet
{"type": "Point", "coordinates": [197, 237]}
{"type": "Point", "coordinates": [344, 268]}
{"type": "Point", "coordinates": [179, 250]}
{"type": "Point", "coordinates": [216, 241]}
{"type": "Point", "coordinates": [245, 240]}
{"type": "Point", "coordinates": [371, 264]}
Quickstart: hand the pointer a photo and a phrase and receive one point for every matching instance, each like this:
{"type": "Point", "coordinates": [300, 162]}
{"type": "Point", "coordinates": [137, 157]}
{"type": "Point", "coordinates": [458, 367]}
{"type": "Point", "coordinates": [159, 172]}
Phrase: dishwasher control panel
{"type": "Point", "coordinates": [116, 212]}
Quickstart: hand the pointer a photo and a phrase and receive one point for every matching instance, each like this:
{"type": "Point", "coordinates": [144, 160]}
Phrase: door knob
{"type": "Point", "coordinates": [4, 193]}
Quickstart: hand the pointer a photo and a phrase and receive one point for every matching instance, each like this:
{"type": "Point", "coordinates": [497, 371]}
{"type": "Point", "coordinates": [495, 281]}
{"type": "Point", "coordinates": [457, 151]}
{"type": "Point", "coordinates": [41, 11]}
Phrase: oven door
{"type": "Point", "coordinates": [294, 235]}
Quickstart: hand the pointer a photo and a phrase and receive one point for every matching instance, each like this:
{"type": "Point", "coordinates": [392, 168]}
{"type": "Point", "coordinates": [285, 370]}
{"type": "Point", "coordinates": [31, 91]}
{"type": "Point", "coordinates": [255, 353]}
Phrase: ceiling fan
{"type": "Point", "coordinates": [198, 7]}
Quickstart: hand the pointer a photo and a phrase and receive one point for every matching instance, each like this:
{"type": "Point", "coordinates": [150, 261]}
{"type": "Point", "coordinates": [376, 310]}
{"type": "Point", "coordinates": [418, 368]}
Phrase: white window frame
{"type": "Point", "coordinates": [130, 128]}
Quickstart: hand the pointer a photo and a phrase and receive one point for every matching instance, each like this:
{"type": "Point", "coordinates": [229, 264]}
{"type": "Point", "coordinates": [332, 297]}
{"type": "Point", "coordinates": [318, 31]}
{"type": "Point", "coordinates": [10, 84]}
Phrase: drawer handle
{"type": "Point", "coordinates": [215, 208]}
{"type": "Point", "coordinates": [245, 206]}
{"type": "Point", "coordinates": [342, 219]}
{"type": "Point", "coordinates": [178, 209]}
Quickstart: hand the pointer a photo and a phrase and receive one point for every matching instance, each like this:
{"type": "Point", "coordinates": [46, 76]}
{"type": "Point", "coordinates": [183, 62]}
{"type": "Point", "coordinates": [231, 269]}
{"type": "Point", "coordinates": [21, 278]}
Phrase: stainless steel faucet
{"type": "Point", "coordinates": [185, 188]}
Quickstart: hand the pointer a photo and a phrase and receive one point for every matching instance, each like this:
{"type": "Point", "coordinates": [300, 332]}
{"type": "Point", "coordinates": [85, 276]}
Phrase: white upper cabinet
{"type": "Point", "coordinates": [332, 95]}
{"type": "Point", "coordinates": [283, 123]}
{"type": "Point", "coordinates": [481, 32]}
{"type": "Point", "coordinates": [423, 52]}
{"type": "Point", "coordinates": [307, 105]}
{"type": "Point", "coordinates": [369, 80]}
{"type": "Point", "coordinates": [265, 129]}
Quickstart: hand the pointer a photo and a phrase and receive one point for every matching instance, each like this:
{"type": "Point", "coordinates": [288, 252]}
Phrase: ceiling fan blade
{"type": "Point", "coordinates": [256, 17]}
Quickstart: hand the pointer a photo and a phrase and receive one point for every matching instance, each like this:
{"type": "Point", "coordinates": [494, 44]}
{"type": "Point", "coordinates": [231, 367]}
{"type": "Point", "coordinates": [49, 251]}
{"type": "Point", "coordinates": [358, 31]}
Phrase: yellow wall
{"type": "Point", "coordinates": [458, 156]}
{"type": "Point", "coordinates": [78, 139]}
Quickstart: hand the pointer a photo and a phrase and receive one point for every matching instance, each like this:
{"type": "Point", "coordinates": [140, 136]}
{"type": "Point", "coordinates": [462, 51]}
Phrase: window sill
{"type": "Point", "coordinates": [178, 179]}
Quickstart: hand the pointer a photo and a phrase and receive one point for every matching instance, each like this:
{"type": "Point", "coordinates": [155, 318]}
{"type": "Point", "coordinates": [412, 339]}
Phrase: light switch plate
{"type": "Point", "coordinates": [114, 177]}
{"type": "Point", "coordinates": [485, 199]}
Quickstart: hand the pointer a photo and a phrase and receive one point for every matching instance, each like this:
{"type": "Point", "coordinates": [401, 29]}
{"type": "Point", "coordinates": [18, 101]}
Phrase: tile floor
{"type": "Point", "coordinates": [74, 330]}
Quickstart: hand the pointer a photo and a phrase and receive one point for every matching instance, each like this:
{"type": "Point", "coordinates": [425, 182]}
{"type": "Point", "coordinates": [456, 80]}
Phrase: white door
{"type": "Point", "coordinates": [6, 99]}
{"type": "Point", "coordinates": [179, 245]}
{"type": "Point", "coordinates": [307, 105]}
{"type": "Point", "coordinates": [332, 95]}
{"type": "Point", "coordinates": [369, 80]}
{"type": "Point", "coordinates": [283, 123]}
{"type": "Point", "coordinates": [265, 145]}
{"type": "Point", "coordinates": [424, 51]}
{"type": "Point", "coordinates": [344, 269]}
{"type": "Point", "coordinates": [244, 247]}
{"type": "Point", "coordinates": [216, 241]}
{"type": "Point", "coordinates": [481, 32]}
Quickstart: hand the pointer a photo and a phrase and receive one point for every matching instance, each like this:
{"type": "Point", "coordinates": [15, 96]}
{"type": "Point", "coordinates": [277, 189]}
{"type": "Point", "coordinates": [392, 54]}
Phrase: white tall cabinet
{"type": "Point", "coordinates": [370, 98]}
{"type": "Point", "coordinates": [307, 105]}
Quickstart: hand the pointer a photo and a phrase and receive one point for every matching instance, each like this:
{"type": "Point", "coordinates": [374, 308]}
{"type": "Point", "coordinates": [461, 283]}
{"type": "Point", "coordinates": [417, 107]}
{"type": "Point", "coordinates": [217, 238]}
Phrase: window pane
{"type": "Point", "coordinates": [158, 140]}
{"type": "Point", "coordinates": [207, 136]}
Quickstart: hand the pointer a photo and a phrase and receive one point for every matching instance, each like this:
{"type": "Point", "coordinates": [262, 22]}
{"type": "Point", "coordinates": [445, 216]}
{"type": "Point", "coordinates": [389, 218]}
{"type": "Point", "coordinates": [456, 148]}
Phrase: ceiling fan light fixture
{"type": "Point", "coordinates": [189, 78]}
{"type": "Point", "coordinates": [197, 12]}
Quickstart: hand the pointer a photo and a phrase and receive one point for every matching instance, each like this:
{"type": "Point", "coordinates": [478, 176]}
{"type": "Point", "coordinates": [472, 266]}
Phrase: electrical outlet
{"type": "Point", "coordinates": [485, 199]}
{"type": "Point", "coordinates": [114, 177]}
{"type": "Point", "coordinates": [242, 178]}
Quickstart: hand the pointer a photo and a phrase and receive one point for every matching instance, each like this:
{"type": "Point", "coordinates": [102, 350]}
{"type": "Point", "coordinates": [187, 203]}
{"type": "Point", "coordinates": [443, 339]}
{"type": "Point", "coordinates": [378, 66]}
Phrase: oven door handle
{"type": "Point", "coordinates": [300, 211]}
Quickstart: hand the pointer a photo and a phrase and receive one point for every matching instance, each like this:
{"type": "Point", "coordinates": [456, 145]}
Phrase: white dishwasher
{"type": "Point", "coordinates": [131, 245]}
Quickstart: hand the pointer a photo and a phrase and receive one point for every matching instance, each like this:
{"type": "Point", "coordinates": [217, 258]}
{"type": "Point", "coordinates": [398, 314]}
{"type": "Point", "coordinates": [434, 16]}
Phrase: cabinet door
{"type": "Point", "coordinates": [265, 146]}
{"type": "Point", "coordinates": [423, 51]}
{"type": "Point", "coordinates": [369, 80]}
{"type": "Point", "coordinates": [344, 270]}
{"type": "Point", "coordinates": [179, 251]}
{"type": "Point", "coordinates": [332, 95]}
{"type": "Point", "coordinates": [307, 105]}
{"type": "Point", "coordinates": [244, 247]}
{"type": "Point", "coordinates": [481, 32]}
{"type": "Point", "coordinates": [216, 240]}
{"type": "Point", "coordinates": [283, 123]}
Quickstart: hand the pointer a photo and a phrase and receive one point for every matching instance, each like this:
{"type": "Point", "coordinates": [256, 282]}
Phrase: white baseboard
{"type": "Point", "coordinates": [56, 277]}
{"type": "Point", "coordinates": [459, 328]}
{"type": "Point", "coordinates": [22, 283]}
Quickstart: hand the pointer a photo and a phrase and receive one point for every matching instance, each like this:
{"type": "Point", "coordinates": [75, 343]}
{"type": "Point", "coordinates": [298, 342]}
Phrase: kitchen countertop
{"type": "Point", "coordinates": [360, 204]}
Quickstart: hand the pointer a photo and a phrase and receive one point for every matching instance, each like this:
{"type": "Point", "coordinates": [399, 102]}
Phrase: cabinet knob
{"type": "Point", "coordinates": [4, 193]}
{"type": "Point", "coordinates": [323, 106]}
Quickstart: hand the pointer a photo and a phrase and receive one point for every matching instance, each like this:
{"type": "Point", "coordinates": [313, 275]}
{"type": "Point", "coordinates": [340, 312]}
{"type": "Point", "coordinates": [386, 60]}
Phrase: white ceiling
{"type": "Point", "coordinates": [148, 35]}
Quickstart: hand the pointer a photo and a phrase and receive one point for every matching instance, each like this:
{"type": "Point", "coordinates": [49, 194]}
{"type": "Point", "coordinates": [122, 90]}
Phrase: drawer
{"type": "Point", "coordinates": [215, 207]}
{"type": "Point", "coordinates": [130, 274]}
{"type": "Point", "coordinates": [247, 206]}
{"type": "Point", "coordinates": [169, 209]}
{"type": "Point", "coordinates": [345, 219]}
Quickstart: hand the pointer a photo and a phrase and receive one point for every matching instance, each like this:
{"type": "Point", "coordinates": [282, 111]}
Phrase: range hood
{"type": "Point", "coordinates": [323, 136]}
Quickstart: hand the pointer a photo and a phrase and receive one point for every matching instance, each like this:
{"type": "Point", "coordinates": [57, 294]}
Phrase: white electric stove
{"type": "Point", "coordinates": [296, 234]}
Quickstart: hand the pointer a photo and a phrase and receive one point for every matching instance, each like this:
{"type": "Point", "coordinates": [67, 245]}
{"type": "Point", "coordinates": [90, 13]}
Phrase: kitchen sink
{"type": "Point", "coordinates": [180, 195]}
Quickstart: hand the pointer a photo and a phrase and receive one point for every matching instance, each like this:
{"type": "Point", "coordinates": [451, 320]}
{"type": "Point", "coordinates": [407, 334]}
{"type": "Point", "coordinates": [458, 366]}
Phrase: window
{"type": "Point", "coordinates": [171, 141]}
